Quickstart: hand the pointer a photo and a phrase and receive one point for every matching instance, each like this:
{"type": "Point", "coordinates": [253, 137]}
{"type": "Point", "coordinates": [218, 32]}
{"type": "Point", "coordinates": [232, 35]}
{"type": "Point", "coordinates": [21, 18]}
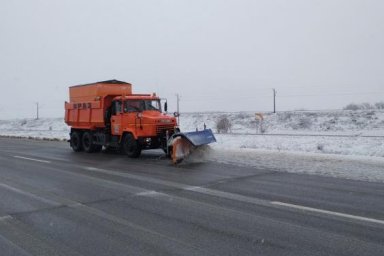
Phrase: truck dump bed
{"type": "Point", "coordinates": [88, 103]}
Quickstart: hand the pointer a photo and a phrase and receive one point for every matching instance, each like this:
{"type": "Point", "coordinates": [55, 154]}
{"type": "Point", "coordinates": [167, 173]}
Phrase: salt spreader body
{"type": "Point", "coordinates": [107, 114]}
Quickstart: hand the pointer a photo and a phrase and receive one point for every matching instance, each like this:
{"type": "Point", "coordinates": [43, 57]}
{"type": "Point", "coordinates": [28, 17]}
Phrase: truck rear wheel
{"type": "Point", "coordinates": [130, 146]}
{"type": "Point", "coordinates": [76, 143]}
{"type": "Point", "coordinates": [87, 142]}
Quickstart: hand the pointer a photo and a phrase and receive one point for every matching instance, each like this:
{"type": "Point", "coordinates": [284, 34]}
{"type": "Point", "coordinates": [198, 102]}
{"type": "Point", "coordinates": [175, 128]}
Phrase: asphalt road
{"type": "Point", "coordinates": [57, 202]}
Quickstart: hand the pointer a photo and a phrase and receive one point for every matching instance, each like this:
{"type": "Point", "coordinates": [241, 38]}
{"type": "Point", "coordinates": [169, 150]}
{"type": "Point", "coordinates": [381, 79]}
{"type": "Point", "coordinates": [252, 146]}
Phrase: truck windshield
{"type": "Point", "coordinates": [141, 105]}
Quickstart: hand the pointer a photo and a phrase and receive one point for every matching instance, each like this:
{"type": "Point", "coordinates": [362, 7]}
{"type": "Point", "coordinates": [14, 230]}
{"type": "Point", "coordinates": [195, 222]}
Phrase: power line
{"type": "Point", "coordinates": [281, 95]}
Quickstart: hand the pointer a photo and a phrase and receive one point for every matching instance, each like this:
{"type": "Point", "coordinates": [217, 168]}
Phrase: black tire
{"type": "Point", "coordinates": [76, 143]}
{"type": "Point", "coordinates": [130, 146]}
{"type": "Point", "coordinates": [87, 142]}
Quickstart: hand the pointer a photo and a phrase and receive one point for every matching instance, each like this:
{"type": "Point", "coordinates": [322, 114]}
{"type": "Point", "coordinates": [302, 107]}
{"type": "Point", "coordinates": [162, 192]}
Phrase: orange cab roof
{"type": "Point", "coordinates": [138, 96]}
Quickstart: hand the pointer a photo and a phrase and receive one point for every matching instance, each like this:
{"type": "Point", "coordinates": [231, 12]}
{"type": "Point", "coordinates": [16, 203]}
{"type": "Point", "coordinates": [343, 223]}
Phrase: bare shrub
{"type": "Point", "coordinates": [303, 123]}
{"type": "Point", "coordinates": [352, 107]}
{"type": "Point", "coordinates": [380, 105]}
{"type": "Point", "coordinates": [223, 124]}
{"type": "Point", "coordinates": [366, 105]}
{"type": "Point", "coordinates": [285, 116]}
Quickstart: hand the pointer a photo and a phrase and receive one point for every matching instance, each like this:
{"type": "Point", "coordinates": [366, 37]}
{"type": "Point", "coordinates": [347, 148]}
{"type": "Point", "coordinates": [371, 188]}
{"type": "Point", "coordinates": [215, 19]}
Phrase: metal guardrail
{"type": "Point", "coordinates": [243, 134]}
{"type": "Point", "coordinates": [304, 135]}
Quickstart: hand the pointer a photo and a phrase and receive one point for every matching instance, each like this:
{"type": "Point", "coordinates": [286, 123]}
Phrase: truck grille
{"type": "Point", "coordinates": [161, 129]}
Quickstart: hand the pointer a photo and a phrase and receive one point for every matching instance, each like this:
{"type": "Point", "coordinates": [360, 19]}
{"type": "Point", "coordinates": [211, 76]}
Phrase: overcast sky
{"type": "Point", "coordinates": [218, 54]}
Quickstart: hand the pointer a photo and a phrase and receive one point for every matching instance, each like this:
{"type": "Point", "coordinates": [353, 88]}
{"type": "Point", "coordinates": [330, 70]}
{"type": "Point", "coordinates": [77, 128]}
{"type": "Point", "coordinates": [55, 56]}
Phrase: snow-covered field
{"type": "Point", "coordinates": [44, 128]}
{"type": "Point", "coordinates": [336, 143]}
{"type": "Point", "coordinates": [343, 122]}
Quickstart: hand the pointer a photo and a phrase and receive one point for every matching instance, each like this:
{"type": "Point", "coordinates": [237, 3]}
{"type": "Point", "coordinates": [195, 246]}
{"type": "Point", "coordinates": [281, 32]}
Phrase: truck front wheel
{"type": "Point", "coordinates": [130, 146]}
{"type": "Point", "coordinates": [76, 143]}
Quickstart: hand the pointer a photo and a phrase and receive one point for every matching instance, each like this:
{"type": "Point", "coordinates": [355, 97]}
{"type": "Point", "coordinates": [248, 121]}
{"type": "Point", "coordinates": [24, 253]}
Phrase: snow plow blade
{"type": "Point", "coordinates": [184, 143]}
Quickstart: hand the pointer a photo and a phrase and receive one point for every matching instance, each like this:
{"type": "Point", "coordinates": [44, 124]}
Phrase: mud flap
{"type": "Point", "coordinates": [184, 143]}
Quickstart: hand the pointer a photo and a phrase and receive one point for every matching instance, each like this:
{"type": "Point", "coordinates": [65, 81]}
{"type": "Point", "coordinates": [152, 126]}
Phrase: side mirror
{"type": "Point", "coordinates": [166, 106]}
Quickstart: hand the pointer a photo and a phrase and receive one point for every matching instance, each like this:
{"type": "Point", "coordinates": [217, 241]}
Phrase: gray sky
{"type": "Point", "coordinates": [218, 54]}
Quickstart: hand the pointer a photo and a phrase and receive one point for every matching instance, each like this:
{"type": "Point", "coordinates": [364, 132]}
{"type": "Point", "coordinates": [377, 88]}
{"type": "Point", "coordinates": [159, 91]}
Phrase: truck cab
{"type": "Point", "coordinates": [142, 117]}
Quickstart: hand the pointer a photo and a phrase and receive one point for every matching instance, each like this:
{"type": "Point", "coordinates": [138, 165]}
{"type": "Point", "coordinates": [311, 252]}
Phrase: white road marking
{"type": "Point", "coordinates": [136, 177]}
{"type": "Point", "coordinates": [33, 159]}
{"type": "Point", "coordinates": [339, 214]}
{"type": "Point", "coordinates": [192, 188]}
{"type": "Point", "coordinates": [75, 205]}
{"type": "Point", "coordinates": [6, 217]}
{"type": "Point", "coordinates": [148, 193]}
{"type": "Point", "coordinates": [227, 195]}
{"type": "Point", "coordinates": [22, 192]}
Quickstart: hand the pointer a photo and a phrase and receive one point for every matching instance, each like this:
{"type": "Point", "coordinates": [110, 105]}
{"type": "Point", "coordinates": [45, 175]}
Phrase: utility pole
{"type": "Point", "coordinates": [37, 110]}
{"type": "Point", "coordinates": [274, 100]}
{"type": "Point", "coordinates": [178, 110]}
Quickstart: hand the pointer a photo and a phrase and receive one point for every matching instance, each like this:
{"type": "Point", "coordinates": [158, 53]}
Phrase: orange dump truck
{"type": "Point", "coordinates": [108, 114]}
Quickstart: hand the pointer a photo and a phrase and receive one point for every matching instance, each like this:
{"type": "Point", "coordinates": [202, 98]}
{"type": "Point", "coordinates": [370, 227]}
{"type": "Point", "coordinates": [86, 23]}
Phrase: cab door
{"type": "Point", "coordinates": [116, 119]}
{"type": "Point", "coordinates": [131, 120]}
